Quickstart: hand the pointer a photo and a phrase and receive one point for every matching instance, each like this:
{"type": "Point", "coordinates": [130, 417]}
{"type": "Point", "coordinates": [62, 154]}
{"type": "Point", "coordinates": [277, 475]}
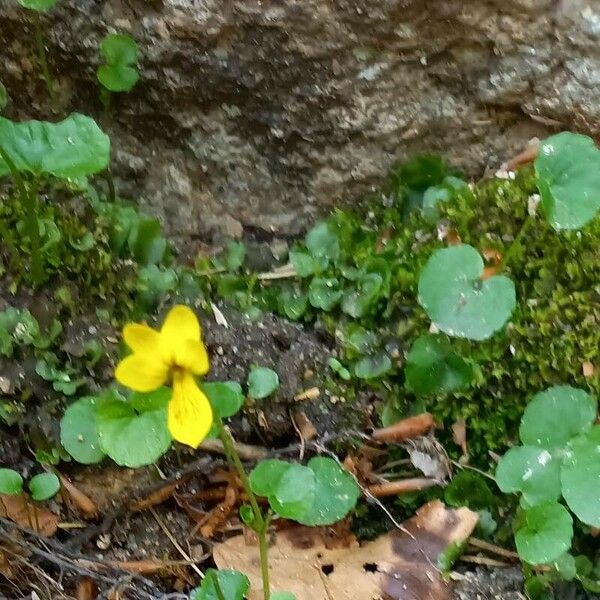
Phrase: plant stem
{"type": "Point", "coordinates": [217, 586]}
{"type": "Point", "coordinates": [261, 523]}
{"type": "Point", "coordinates": [516, 243]}
{"type": "Point", "coordinates": [41, 51]}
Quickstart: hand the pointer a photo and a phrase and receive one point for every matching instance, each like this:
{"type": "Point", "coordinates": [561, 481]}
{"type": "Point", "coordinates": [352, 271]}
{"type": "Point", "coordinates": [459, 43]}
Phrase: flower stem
{"type": "Point", "coordinates": [41, 51]}
{"type": "Point", "coordinates": [516, 244]}
{"type": "Point", "coordinates": [261, 523]}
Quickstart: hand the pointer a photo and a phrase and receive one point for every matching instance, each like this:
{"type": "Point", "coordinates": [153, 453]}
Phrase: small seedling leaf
{"type": "Point", "coordinates": [73, 148]}
{"type": "Point", "coordinates": [233, 584]}
{"type": "Point", "coordinates": [568, 178]}
{"type": "Point", "coordinates": [580, 475]}
{"type": "Point", "coordinates": [262, 382]}
{"type": "Point", "coordinates": [322, 242]}
{"type": "Point", "coordinates": [38, 5]}
{"type": "Point", "coordinates": [367, 291]}
{"type": "Point", "coordinates": [533, 471]}
{"type": "Point", "coordinates": [457, 300]}
{"type": "Point", "coordinates": [556, 415]}
{"type": "Point", "coordinates": [432, 366]}
{"type": "Point", "coordinates": [546, 534]}
{"type": "Point", "coordinates": [44, 486]}
{"type": "Point", "coordinates": [324, 293]}
{"type": "Point", "coordinates": [371, 367]}
{"type": "Point", "coordinates": [11, 482]}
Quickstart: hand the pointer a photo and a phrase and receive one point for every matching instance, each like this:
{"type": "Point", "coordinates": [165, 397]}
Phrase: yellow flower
{"type": "Point", "coordinates": [175, 353]}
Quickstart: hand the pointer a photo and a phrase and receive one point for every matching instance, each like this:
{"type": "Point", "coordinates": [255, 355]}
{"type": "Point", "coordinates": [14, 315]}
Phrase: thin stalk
{"type": "Point", "coordinates": [41, 51]}
{"type": "Point", "coordinates": [28, 198]}
{"type": "Point", "coordinates": [516, 243]}
{"type": "Point", "coordinates": [217, 586]}
{"type": "Point", "coordinates": [261, 523]}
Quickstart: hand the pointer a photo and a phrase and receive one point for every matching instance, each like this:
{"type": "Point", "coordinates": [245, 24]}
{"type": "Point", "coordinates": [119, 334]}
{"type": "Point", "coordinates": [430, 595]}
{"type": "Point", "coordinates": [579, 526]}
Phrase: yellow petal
{"type": "Point", "coordinates": [142, 372]}
{"type": "Point", "coordinates": [141, 338]}
{"type": "Point", "coordinates": [192, 356]}
{"type": "Point", "coordinates": [190, 415]}
{"type": "Point", "coordinates": [181, 324]}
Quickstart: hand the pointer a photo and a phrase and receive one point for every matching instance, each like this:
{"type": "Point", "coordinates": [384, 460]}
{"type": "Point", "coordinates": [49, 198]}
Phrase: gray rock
{"type": "Point", "coordinates": [267, 113]}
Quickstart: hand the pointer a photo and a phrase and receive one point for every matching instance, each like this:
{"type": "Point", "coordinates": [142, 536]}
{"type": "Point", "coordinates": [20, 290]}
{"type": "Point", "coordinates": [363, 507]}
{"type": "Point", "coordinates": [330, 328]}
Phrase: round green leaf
{"type": "Point", "coordinates": [44, 486]}
{"type": "Point", "coordinates": [262, 382]}
{"type": "Point", "coordinates": [556, 415]}
{"type": "Point", "coordinates": [226, 397]}
{"type": "Point", "coordinates": [371, 367]}
{"type": "Point", "coordinates": [546, 534]}
{"type": "Point", "coordinates": [38, 5]}
{"type": "Point", "coordinates": [78, 431]}
{"type": "Point", "coordinates": [533, 471]}
{"type": "Point", "coordinates": [304, 264]}
{"type": "Point", "coordinates": [293, 304]}
{"type": "Point", "coordinates": [324, 293]}
{"type": "Point", "coordinates": [367, 291]}
{"type": "Point", "coordinates": [119, 49]}
{"type": "Point", "coordinates": [294, 493]}
{"type": "Point", "coordinates": [233, 584]}
{"type": "Point", "coordinates": [132, 439]}
{"type": "Point", "coordinates": [322, 242]}
{"type": "Point", "coordinates": [117, 78]}
{"type": "Point", "coordinates": [568, 178]}
{"type": "Point", "coordinates": [458, 301]}
{"type": "Point", "coordinates": [580, 477]}
{"type": "Point", "coordinates": [11, 482]}
{"type": "Point", "coordinates": [73, 148]}
{"type": "Point", "coordinates": [336, 493]}
{"type": "Point", "coordinates": [432, 366]}
{"type": "Point", "coordinates": [265, 476]}
{"type": "Point", "coordinates": [282, 596]}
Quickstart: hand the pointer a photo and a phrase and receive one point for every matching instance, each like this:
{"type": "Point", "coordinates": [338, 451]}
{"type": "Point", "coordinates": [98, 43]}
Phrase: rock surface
{"type": "Point", "coordinates": [265, 113]}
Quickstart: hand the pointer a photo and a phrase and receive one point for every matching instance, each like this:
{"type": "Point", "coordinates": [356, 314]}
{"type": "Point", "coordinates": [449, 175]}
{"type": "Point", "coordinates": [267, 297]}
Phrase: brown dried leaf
{"type": "Point", "coordinates": [588, 369]}
{"type": "Point", "coordinates": [86, 589]}
{"type": "Point", "coordinates": [84, 503]}
{"type": "Point", "coordinates": [399, 565]}
{"type": "Point", "coordinates": [459, 435]}
{"type": "Point", "coordinates": [305, 426]}
{"type": "Point", "coordinates": [405, 429]}
{"type": "Point", "coordinates": [27, 514]}
{"type": "Point", "coordinates": [158, 496]}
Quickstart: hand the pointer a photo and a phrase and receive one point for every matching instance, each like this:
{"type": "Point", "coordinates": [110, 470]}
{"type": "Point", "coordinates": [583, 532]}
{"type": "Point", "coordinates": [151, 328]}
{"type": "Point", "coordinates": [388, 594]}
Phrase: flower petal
{"type": "Point", "coordinates": [192, 356]}
{"type": "Point", "coordinates": [190, 415]}
{"type": "Point", "coordinates": [141, 338]}
{"type": "Point", "coordinates": [142, 372]}
{"type": "Point", "coordinates": [180, 324]}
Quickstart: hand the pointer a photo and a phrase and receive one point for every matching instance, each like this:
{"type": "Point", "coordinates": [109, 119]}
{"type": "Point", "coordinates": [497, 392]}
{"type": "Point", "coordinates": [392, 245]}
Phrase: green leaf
{"type": "Point", "coordinates": [3, 96]}
{"type": "Point", "coordinates": [44, 486]}
{"type": "Point", "coordinates": [146, 243]}
{"type": "Point", "coordinates": [78, 431]}
{"type": "Point", "coordinates": [336, 493]}
{"type": "Point", "coordinates": [324, 293]}
{"type": "Point", "coordinates": [133, 438]}
{"type": "Point", "coordinates": [556, 415]}
{"type": "Point", "coordinates": [73, 148]}
{"type": "Point", "coordinates": [568, 178]}
{"type": "Point", "coordinates": [546, 534]}
{"type": "Point", "coordinates": [580, 477]}
{"type": "Point", "coordinates": [292, 304]}
{"type": "Point", "coordinates": [226, 397]}
{"type": "Point", "coordinates": [233, 584]}
{"type": "Point", "coordinates": [458, 301]}
{"type": "Point", "coordinates": [533, 471]}
{"type": "Point", "coordinates": [433, 196]}
{"type": "Point", "coordinates": [451, 553]}
{"type": "Point", "coordinates": [486, 525]}
{"type": "Point", "coordinates": [322, 242]}
{"type": "Point", "coordinates": [11, 482]}
{"type": "Point", "coordinates": [38, 5]}
{"type": "Point", "coordinates": [282, 596]}
{"type": "Point", "coordinates": [84, 243]}
{"type": "Point", "coordinates": [432, 366]}
{"type": "Point", "coordinates": [262, 382]}
{"type": "Point", "coordinates": [371, 367]}
{"type": "Point", "coordinates": [470, 489]}
{"type": "Point", "coordinates": [236, 255]}
{"type": "Point", "coordinates": [267, 474]}
{"type": "Point", "coordinates": [120, 52]}
{"type": "Point", "coordinates": [367, 291]}
{"type": "Point", "coordinates": [117, 78]}
{"type": "Point", "coordinates": [338, 368]}
{"type": "Point", "coordinates": [423, 171]}
{"type": "Point", "coordinates": [294, 493]}
{"type": "Point", "coordinates": [304, 264]}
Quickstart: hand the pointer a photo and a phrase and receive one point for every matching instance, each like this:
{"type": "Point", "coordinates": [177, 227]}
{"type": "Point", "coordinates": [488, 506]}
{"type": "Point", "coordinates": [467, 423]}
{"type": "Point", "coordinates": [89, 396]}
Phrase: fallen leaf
{"type": "Point", "coordinates": [305, 426]}
{"type": "Point", "coordinates": [162, 494]}
{"type": "Point", "coordinates": [27, 514]}
{"type": "Point", "coordinates": [588, 369]}
{"type": "Point", "coordinates": [405, 429]}
{"type": "Point", "coordinates": [459, 435]}
{"type": "Point", "coordinates": [84, 503]}
{"type": "Point", "coordinates": [219, 316]}
{"type": "Point", "coordinates": [86, 589]}
{"type": "Point", "coordinates": [400, 565]}
{"type": "Point", "coordinates": [402, 486]}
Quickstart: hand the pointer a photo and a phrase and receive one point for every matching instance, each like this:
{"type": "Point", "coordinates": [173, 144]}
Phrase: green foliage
{"type": "Point", "coordinates": [338, 368]}
{"type": "Point", "coordinates": [458, 301]}
{"type": "Point", "coordinates": [432, 366]}
{"type": "Point", "coordinates": [226, 399]}
{"type": "Point", "coordinates": [282, 596]}
{"type": "Point", "coordinates": [320, 493]}
{"type": "Point", "coordinates": [72, 149]}
{"type": "Point", "coordinates": [3, 97]}
{"type": "Point", "coordinates": [262, 382]}
{"type": "Point", "coordinates": [120, 54]}
{"type": "Point", "coordinates": [470, 489]}
{"type": "Point", "coordinates": [38, 5]}
{"type": "Point", "coordinates": [450, 555]}
{"type": "Point", "coordinates": [233, 584]}
{"type": "Point", "coordinates": [44, 486]}
{"type": "Point", "coordinates": [62, 379]}
{"type": "Point", "coordinates": [568, 172]}
{"type": "Point", "coordinates": [11, 482]}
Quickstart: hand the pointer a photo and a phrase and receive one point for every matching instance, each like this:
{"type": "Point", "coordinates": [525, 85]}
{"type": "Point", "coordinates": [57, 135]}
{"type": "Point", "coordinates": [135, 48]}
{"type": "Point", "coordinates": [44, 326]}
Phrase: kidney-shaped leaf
{"type": "Point", "coordinates": [44, 486]}
{"type": "Point", "coordinates": [556, 415]}
{"type": "Point", "coordinates": [432, 366]}
{"type": "Point", "coordinates": [38, 5]}
{"type": "Point", "coordinates": [262, 382]}
{"type": "Point", "coordinates": [531, 471]}
{"type": "Point", "coordinates": [568, 177]}
{"type": "Point", "coordinates": [11, 482]}
{"type": "Point", "coordinates": [78, 431]}
{"type": "Point", "coordinates": [580, 477]}
{"type": "Point", "coordinates": [73, 148]}
{"type": "Point", "coordinates": [457, 300]}
{"type": "Point", "coordinates": [233, 584]}
{"type": "Point", "coordinates": [546, 535]}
